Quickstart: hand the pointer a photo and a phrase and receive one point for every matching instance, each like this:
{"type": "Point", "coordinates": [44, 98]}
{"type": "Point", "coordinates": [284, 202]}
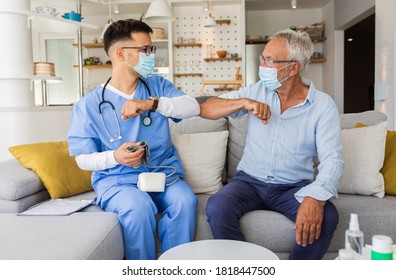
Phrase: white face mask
{"type": "Point", "coordinates": [269, 77]}
{"type": "Point", "coordinates": [145, 65]}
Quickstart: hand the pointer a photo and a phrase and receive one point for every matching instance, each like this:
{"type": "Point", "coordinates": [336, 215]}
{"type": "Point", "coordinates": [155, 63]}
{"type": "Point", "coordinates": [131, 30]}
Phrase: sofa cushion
{"type": "Point", "coordinates": [56, 169]}
{"type": "Point", "coordinates": [368, 117]}
{"type": "Point", "coordinates": [22, 204]}
{"type": "Point", "coordinates": [236, 144]}
{"type": "Point", "coordinates": [376, 216]}
{"type": "Point", "coordinates": [198, 125]}
{"type": "Point", "coordinates": [363, 154]}
{"type": "Point", "coordinates": [17, 181]}
{"type": "Point", "coordinates": [79, 236]}
{"type": "Point", "coordinates": [203, 157]}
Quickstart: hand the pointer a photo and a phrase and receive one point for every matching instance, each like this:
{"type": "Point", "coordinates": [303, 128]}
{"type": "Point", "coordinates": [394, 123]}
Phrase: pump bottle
{"type": "Point", "coordinates": [353, 236]}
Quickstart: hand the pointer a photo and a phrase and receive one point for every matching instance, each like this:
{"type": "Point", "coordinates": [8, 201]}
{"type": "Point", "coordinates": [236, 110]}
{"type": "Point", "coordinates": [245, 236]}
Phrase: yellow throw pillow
{"type": "Point", "coordinates": [56, 169]}
{"type": "Point", "coordinates": [389, 168]}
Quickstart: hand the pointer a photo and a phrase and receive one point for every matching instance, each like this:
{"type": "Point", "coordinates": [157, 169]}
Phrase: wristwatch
{"type": "Point", "coordinates": [155, 103]}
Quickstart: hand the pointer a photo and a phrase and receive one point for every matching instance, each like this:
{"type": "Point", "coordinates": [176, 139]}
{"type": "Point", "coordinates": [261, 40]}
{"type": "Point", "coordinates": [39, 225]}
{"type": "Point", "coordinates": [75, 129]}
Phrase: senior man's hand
{"type": "Point", "coordinates": [309, 220]}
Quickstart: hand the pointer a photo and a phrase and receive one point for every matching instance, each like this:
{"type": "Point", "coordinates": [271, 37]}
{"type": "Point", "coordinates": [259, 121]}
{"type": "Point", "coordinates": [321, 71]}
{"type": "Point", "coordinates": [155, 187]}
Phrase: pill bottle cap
{"type": "Point", "coordinates": [345, 254]}
{"type": "Point", "coordinates": [382, 243]}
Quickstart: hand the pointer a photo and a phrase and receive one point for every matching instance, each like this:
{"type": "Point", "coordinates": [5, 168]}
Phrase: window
{"type": "Point", "coordinates": [61, 52]}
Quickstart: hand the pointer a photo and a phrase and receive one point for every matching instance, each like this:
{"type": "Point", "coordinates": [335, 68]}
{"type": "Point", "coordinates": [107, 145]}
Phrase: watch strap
{"type": "Point", "coordinates": [155, 103]}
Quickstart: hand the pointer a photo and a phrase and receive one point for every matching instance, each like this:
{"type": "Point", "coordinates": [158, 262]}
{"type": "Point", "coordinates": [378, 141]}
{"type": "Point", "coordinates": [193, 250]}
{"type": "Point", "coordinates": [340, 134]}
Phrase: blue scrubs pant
{"type": "Point", "coordinates": [244, 194]}
{"type": "Point", "coordinates": [136, 212]}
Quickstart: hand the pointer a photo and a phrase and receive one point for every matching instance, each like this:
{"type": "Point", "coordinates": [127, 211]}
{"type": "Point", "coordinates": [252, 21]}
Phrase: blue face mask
{"type": "Point", "coordinates": [269, 77]}
{"type": "Point", "coordinates": [145, 65]}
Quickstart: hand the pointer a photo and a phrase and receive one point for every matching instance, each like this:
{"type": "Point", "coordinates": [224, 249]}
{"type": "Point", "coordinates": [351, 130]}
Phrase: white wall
{"type": "Point", "coordinates": [31, 125]}
{"type": "Point", "coordinates": [267, 22]}
{"type": "Point", "coordinates": [385, 64]}
{"type": "Point", "coordinates": [349, 12]}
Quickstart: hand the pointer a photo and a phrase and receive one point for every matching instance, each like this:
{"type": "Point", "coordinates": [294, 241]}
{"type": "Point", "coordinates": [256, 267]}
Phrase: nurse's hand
{"type": "Point", "coordinates": [134, 108]}
{"type": "Point", "coordinates": [123, 157]}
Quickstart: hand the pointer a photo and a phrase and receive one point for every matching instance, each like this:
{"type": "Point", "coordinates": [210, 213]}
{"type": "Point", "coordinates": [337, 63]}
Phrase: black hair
{"type": "Point", "coordinates": [122, 30]}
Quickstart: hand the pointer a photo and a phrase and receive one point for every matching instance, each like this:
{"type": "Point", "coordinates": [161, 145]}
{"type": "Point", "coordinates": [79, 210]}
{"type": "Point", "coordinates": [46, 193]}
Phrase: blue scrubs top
{"type": "Point", "coordinates": [87, 134]}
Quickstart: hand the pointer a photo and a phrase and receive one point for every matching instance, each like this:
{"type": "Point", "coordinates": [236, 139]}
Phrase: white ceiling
{"type": "Point", "coordinates": [95, 7]}
{"type": "Point", "coordinates": [252, 5]}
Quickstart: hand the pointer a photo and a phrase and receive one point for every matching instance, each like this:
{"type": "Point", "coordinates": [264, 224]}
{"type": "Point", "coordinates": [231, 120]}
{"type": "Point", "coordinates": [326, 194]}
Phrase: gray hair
{"type": "Point", "coordinates": [298, 44]}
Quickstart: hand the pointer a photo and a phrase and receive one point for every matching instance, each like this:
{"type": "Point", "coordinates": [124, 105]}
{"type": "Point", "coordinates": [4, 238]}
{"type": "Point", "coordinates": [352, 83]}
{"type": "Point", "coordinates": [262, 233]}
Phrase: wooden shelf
{"type": "Point", "coordinates": [315, 39]}
{"type": "Point", "coordinates": [188, 45]}
{"type": "Point", "coordinates": [187, 74]}
{"type": "Point", "coordinates": [223, 58]}
{"type": "Point", "coordinates": [257, 41]}
{"type": "Point", "coordinates": [317, 60]}
{"type": "Point", "coordinates": [54, 18]}
{"type": "Point", "coordinates": [98, 66]}
{"type": "Point", "coordinates": [223, 21]}
{"type": "Point", "coordinates": [101, 45]}
{"type": "Point", "coordinates": [90, 45]}
{"type": "Point", "coordinates": [223, 88]}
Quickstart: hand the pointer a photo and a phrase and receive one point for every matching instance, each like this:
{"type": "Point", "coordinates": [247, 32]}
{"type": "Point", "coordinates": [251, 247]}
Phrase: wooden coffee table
{"type": "Point", "coordinates": [218, 249]}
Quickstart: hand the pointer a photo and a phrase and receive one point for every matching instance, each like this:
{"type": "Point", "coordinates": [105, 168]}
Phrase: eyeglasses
{"type": "Point", "coordinates": [269, 62]}
{"type": "Point", "coordinates": [146, 49]}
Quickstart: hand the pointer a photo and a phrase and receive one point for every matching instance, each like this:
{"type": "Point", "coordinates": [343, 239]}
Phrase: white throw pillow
{"type": "Point", "coordinates": [363, 154]}
{"type": "Point", "coordinates": [203, 158]}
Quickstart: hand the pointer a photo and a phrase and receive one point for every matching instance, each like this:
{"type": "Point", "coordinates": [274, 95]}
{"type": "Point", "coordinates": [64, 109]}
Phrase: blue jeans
{"type": "Point", "coordinates": [244, 194]}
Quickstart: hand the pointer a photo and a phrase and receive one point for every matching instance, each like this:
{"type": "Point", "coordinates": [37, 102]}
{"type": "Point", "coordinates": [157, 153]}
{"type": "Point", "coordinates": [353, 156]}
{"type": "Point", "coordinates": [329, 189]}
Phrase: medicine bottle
{"type": "Point", "coordinates": [381, 248]}
{"type": "Point", "coordinates": [345, 254]}
{"type": "Point", "coordinates": [353, 236]}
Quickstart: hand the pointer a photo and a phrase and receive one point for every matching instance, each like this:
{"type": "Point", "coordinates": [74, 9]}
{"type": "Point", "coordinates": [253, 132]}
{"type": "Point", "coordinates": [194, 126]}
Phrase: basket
{"type": "Point", "coordinates": [158, 33]}
{"type": "Point", "coordinates": [43, 69]}
{"type": "Point", "coordinates": [315, 30]}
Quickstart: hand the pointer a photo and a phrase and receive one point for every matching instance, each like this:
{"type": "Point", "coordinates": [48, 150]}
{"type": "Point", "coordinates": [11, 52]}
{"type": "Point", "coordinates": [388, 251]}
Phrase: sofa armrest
{"type": "Point", "coordinates": [16, 181]}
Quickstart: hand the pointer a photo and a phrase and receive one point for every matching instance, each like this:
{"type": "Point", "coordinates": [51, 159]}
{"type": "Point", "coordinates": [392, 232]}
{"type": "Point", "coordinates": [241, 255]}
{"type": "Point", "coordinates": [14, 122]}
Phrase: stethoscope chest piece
{"type": "Point", "coordinates": [147, 120]}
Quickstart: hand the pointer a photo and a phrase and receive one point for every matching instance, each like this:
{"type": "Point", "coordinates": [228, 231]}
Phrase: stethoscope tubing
{"type": "Point", "coordinates": [146, 120]}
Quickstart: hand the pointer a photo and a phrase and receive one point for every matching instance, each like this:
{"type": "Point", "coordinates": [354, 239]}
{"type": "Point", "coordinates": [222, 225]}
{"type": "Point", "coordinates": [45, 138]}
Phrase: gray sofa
{"type": "Point", "coordinates": [94, 234]}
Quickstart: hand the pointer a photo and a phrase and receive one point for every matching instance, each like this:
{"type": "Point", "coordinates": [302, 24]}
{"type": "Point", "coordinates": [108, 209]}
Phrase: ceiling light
{"type": "Point", "coordinates": [159, 11]}
{"type": "Point", "coordinates": [116, 8]}
{"type": "Point", "coordinates": [210, 21]}
{"type": "Point", "coordinates": [110, 21]}
{"type": "Point", "coordinates": [206, 6]}
{"type": "Point", "coordinates": [293, 4]}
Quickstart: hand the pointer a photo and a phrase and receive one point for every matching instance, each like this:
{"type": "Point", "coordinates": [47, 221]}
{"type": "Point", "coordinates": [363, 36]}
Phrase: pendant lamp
{"type": "Point", "coordinates": [210, 21]}
{"type": "Point", "coordinates": [110, 21]}
{"type": "Point", "coordinates": [159, 11]}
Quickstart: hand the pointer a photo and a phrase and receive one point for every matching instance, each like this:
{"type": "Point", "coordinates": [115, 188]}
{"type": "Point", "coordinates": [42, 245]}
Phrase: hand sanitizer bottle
{"type": "Point", "coordinates": [354, 237]}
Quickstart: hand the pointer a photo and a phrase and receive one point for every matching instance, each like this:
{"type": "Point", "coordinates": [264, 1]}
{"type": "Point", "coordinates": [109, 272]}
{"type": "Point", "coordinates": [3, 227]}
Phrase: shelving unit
{"type": "Point", "coordinates": [101, 45]}
{"type": "Point", "coordinates": [317, 60]}
{"type": "Point", "coordinates": [96, 66]}
{"type": "Point", "coordinates": [222, 59]}
{"type": "Point", "coordinates": [55, 18]}
{"type": "Point", "coordinates": [188, 45]}
{"type": "Point", "coordinates": [187, 74]}
{"type": "Point", "coordinates": [223, 21]}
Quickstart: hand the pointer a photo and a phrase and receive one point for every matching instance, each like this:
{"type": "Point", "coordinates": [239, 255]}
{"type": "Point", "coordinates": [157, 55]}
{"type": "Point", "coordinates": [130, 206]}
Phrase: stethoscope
{"type": "Point", "coordinates": [146, 120]}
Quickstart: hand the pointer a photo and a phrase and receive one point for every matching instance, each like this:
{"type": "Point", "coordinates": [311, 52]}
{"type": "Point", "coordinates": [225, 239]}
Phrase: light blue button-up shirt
{"type": "Point", "coordinates": [282, 151]}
